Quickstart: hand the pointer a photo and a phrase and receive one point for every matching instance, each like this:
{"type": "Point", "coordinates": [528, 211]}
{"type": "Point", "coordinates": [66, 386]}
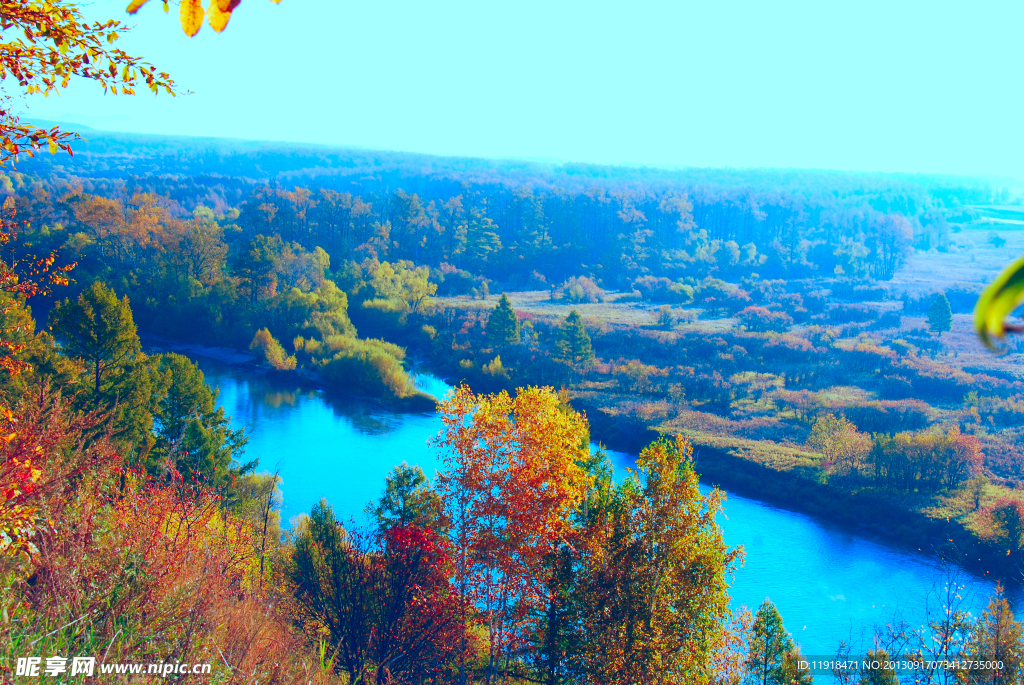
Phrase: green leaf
{"type": "Point", "coordinates": [1000, 298]}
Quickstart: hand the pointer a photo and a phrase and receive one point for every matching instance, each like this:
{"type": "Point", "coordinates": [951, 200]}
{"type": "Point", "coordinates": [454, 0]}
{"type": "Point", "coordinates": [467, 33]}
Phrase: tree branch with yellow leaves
{"type": "Point", "coordinates": [43, 44]}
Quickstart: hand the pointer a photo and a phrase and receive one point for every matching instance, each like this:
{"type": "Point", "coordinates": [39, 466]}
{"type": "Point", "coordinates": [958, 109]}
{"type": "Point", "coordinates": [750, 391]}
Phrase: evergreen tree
{"type": "Point", "coordinates": [99, 330]}
{"type": "Point", "coordinates": [192, 433]}
{"type": "Point", "coordinates": [503, 324]}
{"type": "Point", "coordinates": [998, 637]}
{"type": "Point", "coordinates": [407, 499]}
{"type": "Point", "coordinates": [769, 644]}
{"type": "Point", "coordinates": [940, 315]}
{"type": "Point", "coordinates": [573, 342]}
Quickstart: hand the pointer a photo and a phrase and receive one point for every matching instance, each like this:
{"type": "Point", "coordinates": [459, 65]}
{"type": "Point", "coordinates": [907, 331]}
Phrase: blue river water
{"type": "Point", "coordinates": [829, 584]}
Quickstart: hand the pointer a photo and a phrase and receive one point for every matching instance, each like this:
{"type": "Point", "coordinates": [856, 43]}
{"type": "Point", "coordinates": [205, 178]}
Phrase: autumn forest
{"type": "Point", "coordinates": [802, 339]}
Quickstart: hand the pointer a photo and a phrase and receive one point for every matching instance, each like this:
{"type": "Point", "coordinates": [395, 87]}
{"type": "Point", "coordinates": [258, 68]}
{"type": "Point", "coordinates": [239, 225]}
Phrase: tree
{"type": "Point", "coordinates": [19, 281]}
{"type": "Point", "coordinates": [976, 489]}
{"type": "Point", "coordinates": [503, 325]}
{"type": "Point", "coordinates": [940, 315]}
{"type": "Point", "coordinates": [98, 329]}
{"type": "Point", "coordinates": [839, 441]}
{"type": "Point", "coordinates": [53, 44]}
{"type": "Point", "coordinates": [651, 596]}
{"type": "Point", "coordinates": [1008, 522]}
{"type": "Point", "coordinates": [573, 343]}
{"type": "Point", "coordinates": [194, 436]}
{"type": "Point", "coordinates": [998, 637]}
{"type": "Point", "coordinates": [272, 352]}
{"type": "Point", "coordinates": [403, 282]}
{"type": "Point", "coordinates": [512, 482]}
{"type": "Point", "coordinates": [389, 612]}
{"type": "Point", "coordinates": [332, 585]}
{"type": "Point", "coordinates": [407, 500]}
{"type": "Point", "coordinates": [769, 645]}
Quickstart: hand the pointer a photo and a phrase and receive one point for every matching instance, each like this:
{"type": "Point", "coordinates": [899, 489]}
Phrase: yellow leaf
{"type": "Point", "coordinates": [1000, 298]}
{"type": "Point", "coordinates": [225, 5]}
{"type": "Point", "coordinates": [191, 16]}
{"type": "Point", "coordinates": [218, 18]}
{"type": "Point", "coordinates": [53, 148]}
{"type": "Point", "coordinates": [136, 5]}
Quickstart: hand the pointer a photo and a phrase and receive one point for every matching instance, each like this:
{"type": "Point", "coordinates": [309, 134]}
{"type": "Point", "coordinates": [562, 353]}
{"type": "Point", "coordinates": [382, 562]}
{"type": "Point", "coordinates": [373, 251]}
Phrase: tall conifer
{"type": "Point", "coordinates": [503, 324]}
{"type": "Point", "coordinates": [573, 342]}
{"type": "Point", "coordinates": [940, 315]}
{"type": "Point", "coordinates": [769, 644]}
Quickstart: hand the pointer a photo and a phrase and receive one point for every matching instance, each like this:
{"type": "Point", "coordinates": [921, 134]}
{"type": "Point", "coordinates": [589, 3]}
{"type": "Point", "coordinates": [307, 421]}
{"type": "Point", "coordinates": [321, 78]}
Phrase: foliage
{"type": "Point", "coordinates": [191, 13]}
{"type": "Point", "coordinates": [839, 442]}
{"type": "Point", "coordinates": [390, 612]}
{"type": "Point", "coordinates": [271, 351]}
{"type": "Point", "coordinates": [407, 500]}
{"type": "Point", "coordinates": [512, 484]}
{"type": "Point", "coordinates": [940, 315]}
{"type": "Point", "coordinates": [53, 44]}
{"type": "Point", "coordinates": [998, 637]}
{"type": "Point", "coordinates": [653, 577]}
{"type": "Point", "coordinates": [98, 329]}
{"type": "Point", "coordinates": [503, 325]}
{"type": "Point", "coordinates": [573, 344]}
{"type": "Point", "coordinates": [193, 437]}
{"type": "Point", "coordinates": [997, 301]}
{"type": "Point", "coordinates": [578, 289]}
{"type": "Point", "coordinates": [761, 320]}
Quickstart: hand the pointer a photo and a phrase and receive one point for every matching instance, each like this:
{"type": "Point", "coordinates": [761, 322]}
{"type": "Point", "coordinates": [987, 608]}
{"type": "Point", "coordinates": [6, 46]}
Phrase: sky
{"type": "Point", "coordinates": [894, 86]}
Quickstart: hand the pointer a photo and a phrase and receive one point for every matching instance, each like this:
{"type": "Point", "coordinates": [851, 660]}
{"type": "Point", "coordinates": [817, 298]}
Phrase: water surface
{"type": "Point", "coordinates": [828, 583]}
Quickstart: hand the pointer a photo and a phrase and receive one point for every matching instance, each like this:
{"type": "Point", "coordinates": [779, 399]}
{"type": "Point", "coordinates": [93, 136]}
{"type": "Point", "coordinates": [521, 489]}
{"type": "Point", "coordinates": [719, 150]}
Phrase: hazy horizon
{"type": "Point", "coordinates": [916, 88]}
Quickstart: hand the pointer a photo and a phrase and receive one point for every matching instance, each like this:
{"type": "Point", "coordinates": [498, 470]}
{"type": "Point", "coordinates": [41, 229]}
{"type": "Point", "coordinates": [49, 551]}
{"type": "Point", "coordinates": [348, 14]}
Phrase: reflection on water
{"type": "Point", "coordinates": [828, 583]}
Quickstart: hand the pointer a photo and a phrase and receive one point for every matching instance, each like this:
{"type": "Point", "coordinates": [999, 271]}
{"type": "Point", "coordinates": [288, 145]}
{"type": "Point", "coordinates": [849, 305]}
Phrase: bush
{"type": "Point", "coordinates": [578, 289]}
{"type": "Point", "coordinates": [271, 351]}
{"type": "Point", "coordinates": [661, 289]}
{"type": "Point", "coordinates": [761, 320]}
{"type": "Point", "coordinates": [374, 367]}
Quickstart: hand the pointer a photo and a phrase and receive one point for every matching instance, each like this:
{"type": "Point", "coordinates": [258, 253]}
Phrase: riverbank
{"type": "Point", "coordinates": [870, 512]}
{"type": "Point", "coordinates": [419, 402]}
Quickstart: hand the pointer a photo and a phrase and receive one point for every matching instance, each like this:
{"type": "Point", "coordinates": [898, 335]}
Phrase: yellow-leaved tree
{"type": "Point", "coordinates": [513, 483]}
{"type": "Point", "coordinates": [652, 583]}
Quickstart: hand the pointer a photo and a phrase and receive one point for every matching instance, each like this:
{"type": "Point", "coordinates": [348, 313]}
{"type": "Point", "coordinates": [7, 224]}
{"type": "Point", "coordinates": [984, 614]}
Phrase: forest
{"type": "Point", "coordinates": [747, 327]}
{"type": "Point", "coordinates": [617, 347]}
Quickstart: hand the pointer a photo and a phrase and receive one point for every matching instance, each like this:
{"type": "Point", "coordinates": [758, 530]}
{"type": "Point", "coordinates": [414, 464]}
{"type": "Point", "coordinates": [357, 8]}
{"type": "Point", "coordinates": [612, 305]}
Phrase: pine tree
{"type": "Point", "coordinates": [940, 315]}
{"type": "Point", "coordinates": [573, 342]}
{"type": "Point", "coordinates": [997, 637]}
{"type": "Point", "coordinates": [503, 324]}
{"type": "Point", "coordinates": [98, 329]}
{"type": "Point", "coordinates": [769, 644]}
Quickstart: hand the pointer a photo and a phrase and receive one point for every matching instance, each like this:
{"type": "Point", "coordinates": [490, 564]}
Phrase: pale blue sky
{"type": "Point", "coordinates": [871, 86]}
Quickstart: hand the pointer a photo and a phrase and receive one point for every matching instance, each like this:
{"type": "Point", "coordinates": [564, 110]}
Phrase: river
{"type": "Point", "coordinates": [829, 584]}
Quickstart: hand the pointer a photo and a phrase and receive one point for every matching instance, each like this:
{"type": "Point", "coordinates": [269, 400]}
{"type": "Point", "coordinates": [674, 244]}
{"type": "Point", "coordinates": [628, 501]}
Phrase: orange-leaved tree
{"type": "Point", "coordinates": [513, 481]}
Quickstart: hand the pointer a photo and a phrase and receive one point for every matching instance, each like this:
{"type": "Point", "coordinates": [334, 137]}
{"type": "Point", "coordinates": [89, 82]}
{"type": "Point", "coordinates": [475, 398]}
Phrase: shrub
{"type": "Point", "coordinates": [761, 320]}
{"type": "Point", "coordinates": [372, 366]}
{"type": "Point", "coordinates": [271, 351]}
{"type": "Point", "coordinates": [578, 289]}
